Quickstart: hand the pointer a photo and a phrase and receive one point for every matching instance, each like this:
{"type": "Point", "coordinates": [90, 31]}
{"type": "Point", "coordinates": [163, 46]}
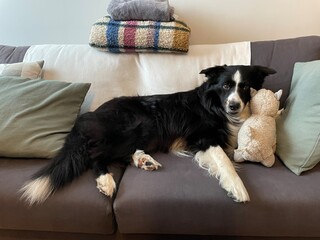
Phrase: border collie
{"type": "Point", "coordinates": [204, 122]}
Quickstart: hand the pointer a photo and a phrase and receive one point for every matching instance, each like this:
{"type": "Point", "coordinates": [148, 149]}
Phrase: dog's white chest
{"type": "Point", "coordinates": [234, 126]}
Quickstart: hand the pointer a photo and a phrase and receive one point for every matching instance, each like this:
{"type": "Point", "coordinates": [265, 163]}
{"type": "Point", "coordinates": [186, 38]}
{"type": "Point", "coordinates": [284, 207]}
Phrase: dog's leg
{"type": "Point", "coordinates": [144, 161]}
{"type": "Point", "coordinates": [104, 179]}
{"type": "Point", "coordinates": [218, 164]}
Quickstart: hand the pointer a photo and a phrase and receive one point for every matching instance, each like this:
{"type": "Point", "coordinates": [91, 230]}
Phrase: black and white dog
{"type": "Point", "coordinates": [204, 121]}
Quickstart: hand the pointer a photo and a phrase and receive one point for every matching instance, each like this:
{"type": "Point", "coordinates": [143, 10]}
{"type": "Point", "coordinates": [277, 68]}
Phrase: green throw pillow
{"type": "Point", "coordinates": [36, 115]}
{"type": "Point", "coordinates": [298, 128]}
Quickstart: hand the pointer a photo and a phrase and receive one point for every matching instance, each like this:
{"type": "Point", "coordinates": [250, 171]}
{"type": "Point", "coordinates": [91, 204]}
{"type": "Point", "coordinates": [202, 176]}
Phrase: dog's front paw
{"type": "Point", "coordinates": [106, 184]}
{"type": "Point", "coordinates": [236, 190]}
{"type": "Point", "coordinates": [145, 161]}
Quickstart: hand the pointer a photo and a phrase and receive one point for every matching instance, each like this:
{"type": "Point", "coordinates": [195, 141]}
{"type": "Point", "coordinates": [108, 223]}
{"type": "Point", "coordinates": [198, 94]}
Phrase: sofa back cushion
{"type": "Point", "coordinates": [10, 54]}
{"type": "Point", "coordinates": [113, 75]}
{"type": "Point", "coordinates": [281, 55]}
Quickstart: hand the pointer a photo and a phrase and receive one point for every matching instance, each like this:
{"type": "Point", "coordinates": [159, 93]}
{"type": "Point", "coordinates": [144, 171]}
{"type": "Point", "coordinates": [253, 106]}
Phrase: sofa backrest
{"type": "Point", "coordinates": [112, 75]}
{"type": "Point", "coordinates": [10, 54]}
{"type": "Point", "coordinates": [281, 55]}
{"type": "Point", "coordinates": [169, 72]}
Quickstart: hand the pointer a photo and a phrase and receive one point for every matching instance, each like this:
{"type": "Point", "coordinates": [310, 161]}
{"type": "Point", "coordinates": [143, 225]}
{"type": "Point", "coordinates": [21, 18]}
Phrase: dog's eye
{"type": "Point", "coordinates": [226, 86]}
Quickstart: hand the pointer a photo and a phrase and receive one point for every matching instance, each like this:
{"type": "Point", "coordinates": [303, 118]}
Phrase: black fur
{"type": "Point", "coordinates": [152, 123]}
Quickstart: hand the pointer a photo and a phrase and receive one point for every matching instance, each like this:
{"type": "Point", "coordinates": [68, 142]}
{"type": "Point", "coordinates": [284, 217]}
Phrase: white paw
{"type": "Point", "coordinates": [235, 189]}
{"type": "Point", "coordinates": [106, 184]}
{"type": "Point", "coordinates": [206, 163]}
{"type": "Point", "coordinates": [145, 161]}
{"type": "Point", "coordinates": [218, 164]}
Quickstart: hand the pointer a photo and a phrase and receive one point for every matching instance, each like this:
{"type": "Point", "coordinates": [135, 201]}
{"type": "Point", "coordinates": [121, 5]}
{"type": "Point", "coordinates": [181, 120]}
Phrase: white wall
{"type": "Point", "coordinates": [25, 22]}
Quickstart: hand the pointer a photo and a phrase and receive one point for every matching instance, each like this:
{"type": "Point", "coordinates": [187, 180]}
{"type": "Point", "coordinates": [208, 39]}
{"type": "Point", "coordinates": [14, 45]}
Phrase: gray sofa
{"type": "Point", "coordinates": [179, 201]}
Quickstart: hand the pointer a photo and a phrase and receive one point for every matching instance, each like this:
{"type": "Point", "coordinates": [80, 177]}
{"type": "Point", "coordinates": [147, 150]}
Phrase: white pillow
{"type": "Point", "coordinates": [30, 70]}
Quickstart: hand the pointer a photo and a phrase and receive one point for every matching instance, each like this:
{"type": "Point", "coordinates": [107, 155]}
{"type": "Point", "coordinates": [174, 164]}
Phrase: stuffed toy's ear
{"type": "Point", "coordinates": [213, 71]}
{"type": "Point", "coordinates": [279, 112]}
{"type": "Point", "coordinates": [253, 92]}
{"type": "Point", "coordinates": [278, 94]}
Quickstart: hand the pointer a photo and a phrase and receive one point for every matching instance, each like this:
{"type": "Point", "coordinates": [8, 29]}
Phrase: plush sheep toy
{"type": "Point", "coordinates": [257, 135]}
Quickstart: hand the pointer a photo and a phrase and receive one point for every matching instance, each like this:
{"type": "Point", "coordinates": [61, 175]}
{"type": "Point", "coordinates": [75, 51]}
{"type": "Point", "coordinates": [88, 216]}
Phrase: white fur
{"type": "Point", "coordinates": [144, 161]}
{"type": "Point", "coordinates": [178, 148]}
{"type": "Point", "coordinates": [37, 191]}
{"type": "Point", "coordinates": [234, 96]}
{"type": "Point", "coordinates": [237, 77]}
{"type": "Point", "coordinates": [235, 123]}
{"type": "Point", "coordinates": [215, 160]}
{"type": "Point", "coordinates": [106, 184]}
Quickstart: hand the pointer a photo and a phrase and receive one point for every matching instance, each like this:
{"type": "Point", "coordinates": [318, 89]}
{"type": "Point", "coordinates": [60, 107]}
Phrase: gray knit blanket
{"type": "Point", "coordinates": [154, 10]}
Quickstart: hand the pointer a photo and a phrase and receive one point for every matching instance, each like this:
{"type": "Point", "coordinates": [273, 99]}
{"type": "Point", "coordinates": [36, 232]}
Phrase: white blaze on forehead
{"type": "Point", "coordinates": [234, 96]}
{"type": "Point", "coordinates": [237, 77]}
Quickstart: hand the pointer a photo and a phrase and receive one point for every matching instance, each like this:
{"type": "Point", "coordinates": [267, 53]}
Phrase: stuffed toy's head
{"type": "Point", "coordinates": [257, 135]}
{"type": "Point", "coordinates": [265, 102]}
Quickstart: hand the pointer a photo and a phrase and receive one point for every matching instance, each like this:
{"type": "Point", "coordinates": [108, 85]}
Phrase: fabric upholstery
{"type": "Point", "coordinates": [10, 54]}
{"type": "Point", "coordinates": [281, 55]}
{"type": "Point", "coordinates": [298, 126]}
{"type": "Point", "coordinates": [37, 115]}
{"type": "Point", "coordinates": [155, 10]}
{"type": "Point", "coordinates": [139, 36]}
{"type": "Point", "coordinates": [181, 198]}
{"type": "Point", "coordinates": [77, 208]}
{"type": "Point", "coordinates": [110, 77]}
{"type": "Point", "coordinates": [30, 70]}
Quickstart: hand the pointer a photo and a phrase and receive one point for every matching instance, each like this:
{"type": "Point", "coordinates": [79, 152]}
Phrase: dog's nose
{"type": "Point", "coordinates": [234, 106]}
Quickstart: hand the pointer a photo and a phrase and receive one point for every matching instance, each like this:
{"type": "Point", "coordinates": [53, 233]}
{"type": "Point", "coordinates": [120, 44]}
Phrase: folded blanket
{"type": "Point", "coordinates": [140, 36]}
{"type": "Point", "coordinates": [154, 10]}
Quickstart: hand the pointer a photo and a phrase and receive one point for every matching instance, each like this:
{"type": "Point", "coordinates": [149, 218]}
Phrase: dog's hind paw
{"type": "Point", "coordinates": [144, 161]}
{"type": "Point", "coordinates": [106, 184]}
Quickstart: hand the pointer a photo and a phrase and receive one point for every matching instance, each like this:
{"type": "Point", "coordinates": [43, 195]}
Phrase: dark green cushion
{"type": "Point", "coordinates": [36, 115]}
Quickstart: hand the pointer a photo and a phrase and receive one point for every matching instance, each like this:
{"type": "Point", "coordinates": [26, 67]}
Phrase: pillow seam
{"type": "Point", "coordinates": [302, 167]}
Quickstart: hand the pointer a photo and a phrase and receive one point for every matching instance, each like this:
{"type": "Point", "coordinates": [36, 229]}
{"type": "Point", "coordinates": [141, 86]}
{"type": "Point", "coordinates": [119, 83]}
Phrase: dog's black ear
{"type": "Point", "coordinates": [213, 71]}
{"type": "Point", "coordinates": [259, 74]}
{"type": "Point", "coordinates": [265, 71]}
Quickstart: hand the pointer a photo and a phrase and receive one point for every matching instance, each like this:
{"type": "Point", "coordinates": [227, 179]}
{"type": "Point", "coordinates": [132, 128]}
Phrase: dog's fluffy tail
{"type": "Point", "coordinates": [70, 162]}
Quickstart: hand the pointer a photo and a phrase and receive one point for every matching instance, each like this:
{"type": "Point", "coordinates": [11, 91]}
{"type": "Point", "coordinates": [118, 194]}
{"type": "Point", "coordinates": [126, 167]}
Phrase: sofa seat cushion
{"type": "Point", "coordinates": [77, 208]}
{"type": "Point", "coordinates": [181, 198]}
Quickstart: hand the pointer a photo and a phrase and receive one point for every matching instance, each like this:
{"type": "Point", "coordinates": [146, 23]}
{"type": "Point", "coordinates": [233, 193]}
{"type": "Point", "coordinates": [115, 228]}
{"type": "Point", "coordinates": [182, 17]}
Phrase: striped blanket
{"type": "Point", "coordinates": [139, 36]}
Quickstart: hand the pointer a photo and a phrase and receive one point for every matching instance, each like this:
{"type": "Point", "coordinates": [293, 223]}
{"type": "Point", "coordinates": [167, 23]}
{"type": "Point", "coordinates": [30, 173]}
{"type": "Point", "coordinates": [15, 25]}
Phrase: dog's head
{"type": "Point", "coordinates": [230, 86]}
